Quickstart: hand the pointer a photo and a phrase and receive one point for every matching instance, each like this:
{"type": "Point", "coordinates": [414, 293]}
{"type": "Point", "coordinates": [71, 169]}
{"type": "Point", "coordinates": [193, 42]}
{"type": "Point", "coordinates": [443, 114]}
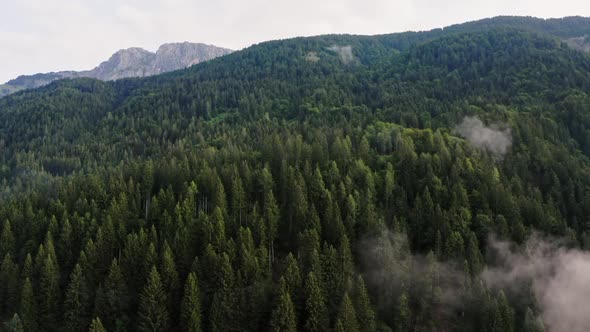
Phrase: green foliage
{"type": "Point", "coordinates": [264, 191]}
{"type": "Point", "coordinates": [153, 315]}
{"type": "Point", "coordinates": [283, 313]}
{"type": "Point", "coordinates": [190, 317]}
{"type": "Point", "coordinates": [76, 302]}
{"type": "Point", "coordinates": [14, 324]}
{"type": "Point", "coordinates": [97, 326]}
{"type": "Point", "coordinates": [316, 311]}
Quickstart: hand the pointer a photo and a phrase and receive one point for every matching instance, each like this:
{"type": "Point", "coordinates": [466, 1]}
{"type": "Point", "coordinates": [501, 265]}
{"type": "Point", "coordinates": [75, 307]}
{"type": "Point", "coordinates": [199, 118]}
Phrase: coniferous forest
{"type": "Point", "coordinates": [309, 184]}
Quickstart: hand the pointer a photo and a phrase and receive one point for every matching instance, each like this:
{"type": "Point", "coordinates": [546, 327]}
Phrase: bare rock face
{"type": "Point", "coordinates": [131, 62]}
{"type": "Point", "coordinates": [176, 56]}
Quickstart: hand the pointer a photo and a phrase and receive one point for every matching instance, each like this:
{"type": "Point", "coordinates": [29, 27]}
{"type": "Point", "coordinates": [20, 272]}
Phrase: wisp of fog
{"type": "Point", "coordinates": [344, 53]}
{"type": "Point", "coordinates": [559, 277]}
{"type": "Point", "coordinates": [492, 138]}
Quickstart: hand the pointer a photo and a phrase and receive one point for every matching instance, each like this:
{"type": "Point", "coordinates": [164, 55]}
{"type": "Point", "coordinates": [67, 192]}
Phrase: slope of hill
{"type": "Point", "coordinates": [131, 62]}
{"type": "Point", "coordinates": [323, 183]}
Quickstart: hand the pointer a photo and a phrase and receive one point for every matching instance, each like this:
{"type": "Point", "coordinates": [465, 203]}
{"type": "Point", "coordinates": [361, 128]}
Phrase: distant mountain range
{"type": "Point", "coordinates": [131, 62]}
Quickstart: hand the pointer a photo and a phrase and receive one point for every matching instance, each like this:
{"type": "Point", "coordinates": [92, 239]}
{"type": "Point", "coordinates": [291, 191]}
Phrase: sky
{"type": "Point", "coordinates": [43, 36]}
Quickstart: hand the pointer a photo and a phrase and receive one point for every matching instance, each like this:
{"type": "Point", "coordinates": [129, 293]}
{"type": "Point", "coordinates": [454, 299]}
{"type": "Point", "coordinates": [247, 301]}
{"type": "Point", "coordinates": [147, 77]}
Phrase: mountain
{"type": "Point", "coordinates": [131, 62]}
{"type": "Point", "coordinates": [433, 180]}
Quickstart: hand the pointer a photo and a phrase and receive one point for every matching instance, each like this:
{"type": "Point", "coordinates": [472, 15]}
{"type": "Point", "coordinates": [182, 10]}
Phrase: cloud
{"type": "Point", "coordinates": [344, 53]}
{"type": "Point", "coordinates": [496, 138]}
{"type": "Point", "coordinates": [559, 278]}
{"type": "Point", "coordinates": [390, 269]}
{"type": "Point", "coordinates": [556, 274]}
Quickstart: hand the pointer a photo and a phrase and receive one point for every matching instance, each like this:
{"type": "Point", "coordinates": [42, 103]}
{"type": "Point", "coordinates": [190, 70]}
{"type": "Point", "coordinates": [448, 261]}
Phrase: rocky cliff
{"type": "Point", "coordinates": [131, 62]}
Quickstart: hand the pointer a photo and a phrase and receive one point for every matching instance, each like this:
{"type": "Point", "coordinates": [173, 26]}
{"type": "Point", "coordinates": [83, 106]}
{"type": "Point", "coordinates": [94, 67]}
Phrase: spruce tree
{"type": "Point", "coordinates": [49, 294]}
{"type": "Point", "coordinates": [271, 218]}
{"type": "Point", "coordinates": [76, 305]}
{"type": "Point", "coordinates": [170, 280]}
{"type": "Point", "coordinates": [402, 316]}
{"type": "Point", "coordinates": [14, 324]}
{"type": "Point", "coordinates": [283, 314]}
{"type": "Point", "coordinates": [190, 316]}
{"type": "Point", "coordinates": [28, 307]}
{"type": "Point", "coordinates": [153, 315]}
{"type": "Point", "coordinates": [97, 326]}
{"type": "Point", "coordinates": [8, 285]}
{"type": "Point", "coordinates": [346, 319]}
{"type": "Point", "coordinates": [362, 305]}
{"type": "Point", "coordinates": [7, 240]}
{"type": "Point", "coordinates": [316, 311]}
{"type": "Point", "coordinates": [112, 303]}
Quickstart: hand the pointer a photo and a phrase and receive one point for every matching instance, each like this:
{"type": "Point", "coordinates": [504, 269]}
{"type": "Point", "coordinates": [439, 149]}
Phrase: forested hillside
{"type": "Point", "coordinates": [332, 183]}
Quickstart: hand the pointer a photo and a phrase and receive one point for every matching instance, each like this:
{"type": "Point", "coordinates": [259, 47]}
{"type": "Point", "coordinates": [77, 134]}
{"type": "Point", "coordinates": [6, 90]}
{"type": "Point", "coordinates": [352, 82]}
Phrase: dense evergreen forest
{"type": "Point", "coordinates": [309, 184]}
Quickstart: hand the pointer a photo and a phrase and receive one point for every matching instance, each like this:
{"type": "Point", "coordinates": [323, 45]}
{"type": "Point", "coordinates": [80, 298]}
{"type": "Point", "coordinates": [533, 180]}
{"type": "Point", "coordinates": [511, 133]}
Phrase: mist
{"type": "Point", "coordinates": [390, 270]}
{"type": "Point", "coordinates": [559, 277]}
{"type": "Point", "coordinates": [496, 138]}
{"type": "Point", "coordinates": [344, 53]}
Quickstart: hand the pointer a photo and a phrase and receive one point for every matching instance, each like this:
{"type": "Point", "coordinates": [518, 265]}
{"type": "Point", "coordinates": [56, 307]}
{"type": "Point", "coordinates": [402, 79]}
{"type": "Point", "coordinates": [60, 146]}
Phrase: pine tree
{"type": "Point", "coordinates": [97, 326]}
{"type": "Point", "coordinates": [218, 236]}
{"type": "Point", "coordinates": [76, 303]}
{"type": "Point", "coordinates": [315, 305]}
{"type": "Point", "coordinates": [190, 317]}
{"type": "Point", "coordinates": [27, 270]}
{"type": "Point", "coordinates": [170, 280]}
{"type": "Point", "coordinates": [28, 307]}
{"type": "Point", "coordinates": [153, 315]}
{"type": "Point", "coordinates": [7, 240]}
{"type": "Point", "coordinates": [14, 324]}
{"type": "Point", "coordinates": [506, 313]}
{"type": "Point", "coordinates": [8, 285]}
{"type": "Point", "coordinates": [362, 305]}
{"type": "Point", "coordinates": [283, 314]}
{"type": "Point", "coordinates": [49, 294]}
{"type": "Point", "coordinates": [112, 303]}
{"type": "Point", "coordinates": [293, 280]}
{"type": "Point", "coordinates": [532, 323]}
{"type": "Point", "coordinates": [346, 318]}
{"type": "Point", "coordinates": [271, 218]}
{"type": "Point", "coordinates": [220, 313]}
{"type": "Point", "coordinates": [65, 245]}
{"type": "Point", "coordinates": [402, 316]}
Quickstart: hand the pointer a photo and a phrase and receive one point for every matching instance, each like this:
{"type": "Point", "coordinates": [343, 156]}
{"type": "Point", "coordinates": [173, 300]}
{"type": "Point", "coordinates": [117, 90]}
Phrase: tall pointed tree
{"type": "Point", "coordinates": [346, 319]}
{"type": "Point", "coordinates": [97, 326]}
{"type": "Point", "coordinates": [170, 279]}
{"type": "Point", "coordinates": [7, 240]}
{"type": "Point", "coordinates": [190, 316]}
{"type": "Point", "coordinates": [271, 218]}
{"type": "Point", "coordinates": [153, 315]}
{"type": "Point", "coordinates": [14, 324]}
{"type": "Point", "coordinates": [49, 294]}
{"type": "Point", "coordinates": [316, 311]}
{"type": "Point", "coordinates": [402, 315]}
{"type": "Point", "coordinates": [113, 302]}
{"type": "Point", "coordinates": [8, 285]}
{"type": "Point", "coordinates": [76, 305]}
{"type": "Point", "coordinates": [362, 305]}
{"type": "Point", "coordinates": [283, 314]}
{"type": "Point", "coordinates": [28, 307]}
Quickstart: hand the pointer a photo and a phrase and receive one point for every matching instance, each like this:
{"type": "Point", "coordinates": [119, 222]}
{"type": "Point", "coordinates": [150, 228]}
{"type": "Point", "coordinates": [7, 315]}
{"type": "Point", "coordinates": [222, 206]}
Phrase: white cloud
{"type": "Point", "coordinates": [40, 35]}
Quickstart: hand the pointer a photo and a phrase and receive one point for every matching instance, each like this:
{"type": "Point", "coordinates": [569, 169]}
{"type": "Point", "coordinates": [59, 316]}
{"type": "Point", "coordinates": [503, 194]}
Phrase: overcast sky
{"type": "Point", "coordinates": [51, 35]}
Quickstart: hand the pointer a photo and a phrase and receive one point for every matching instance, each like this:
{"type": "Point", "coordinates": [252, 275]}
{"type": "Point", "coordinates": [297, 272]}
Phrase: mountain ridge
{"type": "Point", "coordinates": [376, 172]}
{"type": "Point", "coordinates": [129, 62]}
